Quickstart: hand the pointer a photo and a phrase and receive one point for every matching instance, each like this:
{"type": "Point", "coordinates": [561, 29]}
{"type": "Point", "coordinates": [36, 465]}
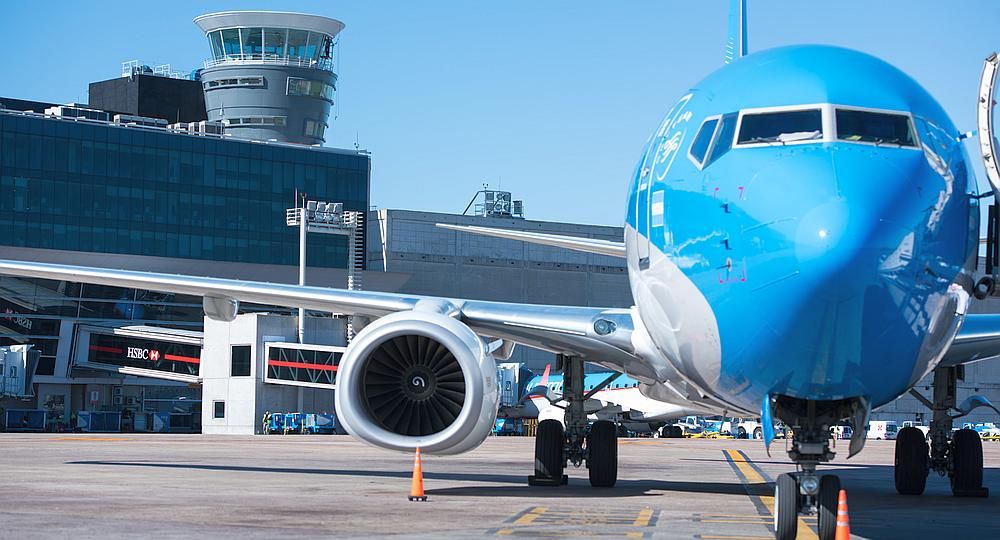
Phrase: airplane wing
{"type": "Point", "coordinates": [979, 339]}
{"type": "Point", "coordinates": [575, 243]}
{"type": "Point", "coordinates": [559, 329]}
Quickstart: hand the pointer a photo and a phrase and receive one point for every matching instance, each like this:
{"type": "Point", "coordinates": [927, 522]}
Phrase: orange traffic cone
{"type": "Point", "coordinates": [843, 524]}
{"type": "Point", "coordinates": [417, 485]}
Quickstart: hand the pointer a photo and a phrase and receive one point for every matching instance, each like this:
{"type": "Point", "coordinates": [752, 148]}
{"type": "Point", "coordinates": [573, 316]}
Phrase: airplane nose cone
{"type": "Point", "coordinates": [865, 275]}
{"type": "Point", "coordinates": [872, 208]}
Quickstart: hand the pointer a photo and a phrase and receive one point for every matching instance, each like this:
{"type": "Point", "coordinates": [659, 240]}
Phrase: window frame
{"type": "Point", "coordinates": [828, 114]}
{"type": "Point", "coordinates": [711, 142]}
{"type": "Point", "coordinates": [232, 354]}
{"type": "Point", "coordinates": [917, 144]}
{"type": "Point", "coordinates": [215, 409]}
{"type": "Point", "coordinates": [826, 127]}
{"type": "Point", "coordinates": [249, 81]}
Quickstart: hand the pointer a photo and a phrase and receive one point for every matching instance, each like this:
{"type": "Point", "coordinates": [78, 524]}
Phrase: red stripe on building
{"type": "Point", "coordinates": [106, 349]}
{"type": "Point", "coordinates": [284, 363]}
{"type": "Point", "coordinates": [176, 358]}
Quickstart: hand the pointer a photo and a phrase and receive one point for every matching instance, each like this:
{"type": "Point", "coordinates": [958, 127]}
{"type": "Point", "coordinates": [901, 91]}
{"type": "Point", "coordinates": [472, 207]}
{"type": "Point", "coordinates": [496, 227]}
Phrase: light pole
{"type": "Point", "coordinates": [328, 218]}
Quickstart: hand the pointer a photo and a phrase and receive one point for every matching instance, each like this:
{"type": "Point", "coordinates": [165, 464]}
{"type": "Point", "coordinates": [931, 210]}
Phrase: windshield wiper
{"type": "Point", "coordinates": [771, 139]}
{"type": "Point", "coordinates": [895, 140]}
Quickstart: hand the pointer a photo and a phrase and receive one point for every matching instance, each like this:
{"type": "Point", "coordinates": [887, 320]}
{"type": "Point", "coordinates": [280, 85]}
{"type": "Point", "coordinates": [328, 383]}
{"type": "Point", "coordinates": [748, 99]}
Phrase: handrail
{"type": "Point", "coordinates": [298, 61]}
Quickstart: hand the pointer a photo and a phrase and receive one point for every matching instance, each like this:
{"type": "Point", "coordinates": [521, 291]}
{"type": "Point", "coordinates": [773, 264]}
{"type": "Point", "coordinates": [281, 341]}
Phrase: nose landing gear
{"type": "Point", "coordinates": [805, 492]}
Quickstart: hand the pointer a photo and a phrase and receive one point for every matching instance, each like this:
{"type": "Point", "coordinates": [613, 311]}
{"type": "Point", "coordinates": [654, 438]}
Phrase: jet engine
{"type": "Point", "coordinates": [418, 379]}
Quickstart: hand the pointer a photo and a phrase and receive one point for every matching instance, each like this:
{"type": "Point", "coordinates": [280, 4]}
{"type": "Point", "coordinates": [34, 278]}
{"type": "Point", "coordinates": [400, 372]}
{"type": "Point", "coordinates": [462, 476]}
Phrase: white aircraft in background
{"type": "Point", "coordinates": [609, 396]}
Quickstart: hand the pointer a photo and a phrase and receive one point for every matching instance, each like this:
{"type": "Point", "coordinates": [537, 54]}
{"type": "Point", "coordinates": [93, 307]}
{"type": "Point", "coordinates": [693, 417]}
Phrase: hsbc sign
{"type": "Point", "coordinates": [138, 353]}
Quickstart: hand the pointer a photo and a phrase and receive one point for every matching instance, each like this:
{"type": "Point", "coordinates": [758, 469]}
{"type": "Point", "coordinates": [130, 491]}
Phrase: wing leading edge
{"type": "Point", "coordinates": [979, 339]}
{"type": "Point", "coordinates": [559, 329]}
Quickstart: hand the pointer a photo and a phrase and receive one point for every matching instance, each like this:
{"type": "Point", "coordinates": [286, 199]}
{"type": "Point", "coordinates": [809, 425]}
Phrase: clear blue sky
{"type": "Point", "coordinates": [551, 100]}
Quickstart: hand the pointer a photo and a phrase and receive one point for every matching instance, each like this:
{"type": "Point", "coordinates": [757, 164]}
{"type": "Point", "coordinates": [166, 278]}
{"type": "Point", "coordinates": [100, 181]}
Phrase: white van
{"type": "Point", "coordinates": [882, 429]}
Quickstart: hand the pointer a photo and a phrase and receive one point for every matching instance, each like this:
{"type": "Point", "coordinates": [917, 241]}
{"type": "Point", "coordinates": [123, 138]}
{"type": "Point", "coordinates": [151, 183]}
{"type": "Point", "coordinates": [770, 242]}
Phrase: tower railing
{"type": "Point", "coordinates": [298, 61]}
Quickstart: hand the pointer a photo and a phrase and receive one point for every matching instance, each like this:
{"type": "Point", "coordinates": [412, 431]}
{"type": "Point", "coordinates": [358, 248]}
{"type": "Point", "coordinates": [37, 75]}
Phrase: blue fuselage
{"type": "Point", "coordinates": [821, 264]}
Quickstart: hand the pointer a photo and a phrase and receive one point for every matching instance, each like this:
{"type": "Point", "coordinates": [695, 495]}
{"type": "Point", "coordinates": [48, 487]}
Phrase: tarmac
{"type": "Point", "coordinates": [183, 486]}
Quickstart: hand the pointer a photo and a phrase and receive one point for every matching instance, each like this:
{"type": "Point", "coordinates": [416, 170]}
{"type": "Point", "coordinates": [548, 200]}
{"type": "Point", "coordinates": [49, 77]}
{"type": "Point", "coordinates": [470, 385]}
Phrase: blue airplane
{"type": "Point", "coordinates": [802, 231]}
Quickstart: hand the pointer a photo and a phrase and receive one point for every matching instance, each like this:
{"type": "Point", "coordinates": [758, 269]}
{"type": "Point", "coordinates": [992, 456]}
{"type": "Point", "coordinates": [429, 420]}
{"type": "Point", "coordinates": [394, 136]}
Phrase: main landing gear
{"type": "Point", "coordinates": [805, 492]}
{"type": "Point", "coordinates": [958, 455]}
{"type": "Point", "coordinates": [576, 443]}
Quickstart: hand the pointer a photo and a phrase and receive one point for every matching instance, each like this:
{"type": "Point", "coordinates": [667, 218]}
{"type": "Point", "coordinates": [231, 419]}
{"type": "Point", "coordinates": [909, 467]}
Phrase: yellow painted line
{"type": "Point", "coordinates": [505, 532]}
{"type": "Point", "coordinates": [534, 514]}
{"type": "Point", "coordinates": [754, 478]}
{"type": "Point", "coordinates": [89, 439]}
{"type": "Point", "coordinates": [634, 535]}
{"type": "Point", "coordinates": [643, 519]}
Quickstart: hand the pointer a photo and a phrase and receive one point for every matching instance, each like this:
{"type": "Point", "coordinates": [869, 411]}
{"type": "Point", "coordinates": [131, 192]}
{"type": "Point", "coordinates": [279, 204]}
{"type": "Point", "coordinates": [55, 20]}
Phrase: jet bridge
{"type": "Point", "coordinates": [142, 351]}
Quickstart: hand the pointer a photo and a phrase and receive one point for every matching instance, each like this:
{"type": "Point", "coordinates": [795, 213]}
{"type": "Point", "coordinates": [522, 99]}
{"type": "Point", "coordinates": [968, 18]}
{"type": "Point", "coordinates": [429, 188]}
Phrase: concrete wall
{"type": "Point", "coordinates": [247, 398]}
{"type": "Point", "coordinates": [271, 99]}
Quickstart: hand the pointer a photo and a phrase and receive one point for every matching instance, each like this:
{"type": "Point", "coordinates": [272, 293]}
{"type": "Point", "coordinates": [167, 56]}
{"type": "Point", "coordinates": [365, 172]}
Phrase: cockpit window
{"type": "Point", "coordinates": [724, 140]}
{"type": "Point", "coordinates": [703, 140]}
{"type": "Point", "coordinates": [874, 127]}
{"type": "Point", "coordinates": [781, 127]}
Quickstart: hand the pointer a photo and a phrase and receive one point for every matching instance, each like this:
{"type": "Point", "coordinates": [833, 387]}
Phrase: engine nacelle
{"type": "Point", "coordinates": [418, 379]}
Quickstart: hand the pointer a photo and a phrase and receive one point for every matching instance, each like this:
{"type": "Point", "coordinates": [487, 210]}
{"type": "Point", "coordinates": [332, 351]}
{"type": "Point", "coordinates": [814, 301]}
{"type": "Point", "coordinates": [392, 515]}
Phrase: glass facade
{"type": "Point", "coordinates": [87, 186]}
{"type": "Point", "coordinates": [254, 43]}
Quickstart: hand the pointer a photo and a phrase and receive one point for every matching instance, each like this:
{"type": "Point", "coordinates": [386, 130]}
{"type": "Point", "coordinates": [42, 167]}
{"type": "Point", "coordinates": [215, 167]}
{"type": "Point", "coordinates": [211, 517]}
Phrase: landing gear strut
{"type": "Point", "coordinates": [577, 443]}
{"type": "Point", "coordinates": [958, 455]}
{"type": "Point", "coordinates": [805, 492]}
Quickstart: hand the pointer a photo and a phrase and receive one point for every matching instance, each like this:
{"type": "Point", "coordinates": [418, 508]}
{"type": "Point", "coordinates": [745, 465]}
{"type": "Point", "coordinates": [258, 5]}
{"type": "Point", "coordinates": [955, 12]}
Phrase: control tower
{"type": "Point", "coordinates": [271, 76]}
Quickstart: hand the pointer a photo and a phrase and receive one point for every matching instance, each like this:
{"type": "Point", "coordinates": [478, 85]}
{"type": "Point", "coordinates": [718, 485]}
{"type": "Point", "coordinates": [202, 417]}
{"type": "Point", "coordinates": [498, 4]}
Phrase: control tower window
{"type": "Point", "coordinates": [231, 42]}
{"type": "Point", "coordinates": [314, 128]}
{"type": "Point", "coordinates": [311, 50]}
{"type": "Point", "coordinates": [781, 127]}
{"type": "Point", "coordinates": [297, 43]}
{"type": "Point", "coordinates": [274, 42]}
{"type": "Point", "coordinates": [216, 40]}
{"type": "Point", "coordinates": [875, 127]}
{"type": "Point", "coordinates": [253, 42]}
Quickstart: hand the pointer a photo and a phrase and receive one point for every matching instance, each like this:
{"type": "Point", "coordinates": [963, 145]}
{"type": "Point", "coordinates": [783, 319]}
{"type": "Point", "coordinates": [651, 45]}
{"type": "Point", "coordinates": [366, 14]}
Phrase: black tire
{"type": "Point", "coordinates": [549, 439]}
{"type": "Point", "coordinates": [786, 507]}
{"type": "Point", "coordinates": [602, 450]}
{"type": "Point", "coordinates": [758, 433]}
{"type": "Point", "coordinates": [742, 434]}
{"type": "Point", "coordinates": [911, 462]}
{"type": "Point", "coordinates": [678, 432]}
{"type": "Point", "coordinates": [829, 497]}
{"type": "Point", "coordinates": [967, 453]}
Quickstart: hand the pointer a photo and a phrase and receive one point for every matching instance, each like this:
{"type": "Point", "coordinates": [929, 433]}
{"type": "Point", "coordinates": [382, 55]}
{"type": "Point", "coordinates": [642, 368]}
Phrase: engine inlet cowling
{"type": "Point", "coordinates": [418, 379]}
{"type": "Point", "coordinates": [413, 385]}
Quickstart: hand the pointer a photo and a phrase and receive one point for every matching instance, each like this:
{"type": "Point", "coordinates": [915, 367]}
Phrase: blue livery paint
{"type": "Point", "coordinates": [834, 269]}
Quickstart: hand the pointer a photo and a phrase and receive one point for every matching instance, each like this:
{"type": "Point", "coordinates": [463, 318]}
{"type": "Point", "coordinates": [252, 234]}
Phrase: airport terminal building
{"type": "Point", "coordinates": [185, 185]}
